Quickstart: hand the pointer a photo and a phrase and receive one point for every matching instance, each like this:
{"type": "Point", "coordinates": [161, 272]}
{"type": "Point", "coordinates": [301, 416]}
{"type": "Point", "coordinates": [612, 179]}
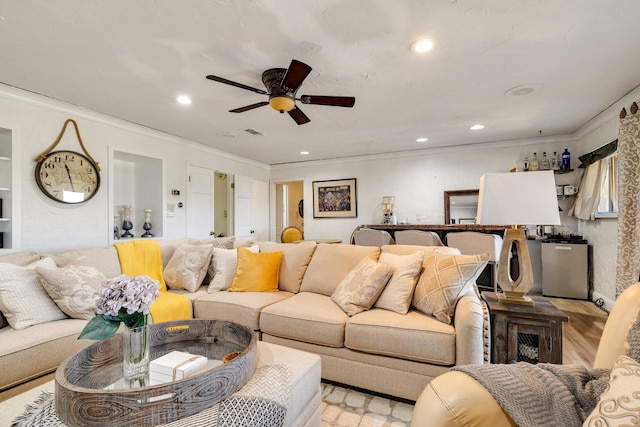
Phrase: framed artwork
{"type": "Point", "coordinates": [335, 199]}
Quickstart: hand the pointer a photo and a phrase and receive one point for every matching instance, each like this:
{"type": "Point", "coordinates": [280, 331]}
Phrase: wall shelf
{"type": "Point", "coordinates": [138, 180]}
{"type": "Point", "coordinates": [7, 173]}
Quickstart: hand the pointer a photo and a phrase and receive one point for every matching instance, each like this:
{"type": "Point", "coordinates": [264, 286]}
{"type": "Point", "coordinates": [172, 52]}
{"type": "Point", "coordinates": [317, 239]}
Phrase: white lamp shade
{"type": "Point", "coordinates": [518, 198]}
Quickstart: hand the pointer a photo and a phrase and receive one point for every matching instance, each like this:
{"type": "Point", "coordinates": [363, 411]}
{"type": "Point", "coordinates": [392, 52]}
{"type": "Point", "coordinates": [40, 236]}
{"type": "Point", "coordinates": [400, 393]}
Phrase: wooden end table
{"type": "Point", "coordinates": [521, 333]}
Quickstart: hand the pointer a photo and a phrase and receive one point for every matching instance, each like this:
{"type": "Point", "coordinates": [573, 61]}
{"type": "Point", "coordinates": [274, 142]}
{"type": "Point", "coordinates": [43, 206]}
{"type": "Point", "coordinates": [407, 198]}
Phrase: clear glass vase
{"type": "Point", "coordinates": [135, 351]}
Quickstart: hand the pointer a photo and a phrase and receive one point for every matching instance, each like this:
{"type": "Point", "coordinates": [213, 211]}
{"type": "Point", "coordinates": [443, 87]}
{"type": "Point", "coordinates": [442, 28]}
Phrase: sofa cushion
{"type": "Point", "coordinates": [20, 258]}
{"type": "Point", "coordinates": [240, 307]}
{"type": "Point", "coordinates": [256, 272]}
{"type": "Point", "coordinates": [412, 336]}
{"type": "Point", "coordinates": [72, 288]}
{"type": "Point", "coordinates": [104, 259]}
{"type": "Point", "coordinates": [187, 267]}
{"type": "Point", "coordinates": [308, 317]}
{"type": "Point", "coordinates": [331, 263]}
{"type": "Point", "coordinates": [444, 280]}
{"type": "Point", "coordinates": [362, 286]}
{"type": "Point", "coordinates": [224, 262]}
{"type": "Point", "coordinates": [427, 250]}
{"type": "Point", "coordinates": [33, 352]}
{"type": "Point", "coordinates": [23, 300]}
{"type": "Point", "coordinates": [295, 261]}
{"type": "Point", "coordinates": [397, 295]}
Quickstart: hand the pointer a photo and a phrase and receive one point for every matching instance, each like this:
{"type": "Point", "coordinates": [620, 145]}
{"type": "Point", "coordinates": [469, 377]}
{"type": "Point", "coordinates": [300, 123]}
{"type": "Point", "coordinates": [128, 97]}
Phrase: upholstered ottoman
{"type": "Point", "coordinates": [304, 404]}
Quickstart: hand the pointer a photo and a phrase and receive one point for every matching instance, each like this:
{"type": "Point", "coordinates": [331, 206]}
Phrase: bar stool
{"type": "Point", "coordinates": [418, 237]}
{"type": "Point", "coordinates": [370, 237]}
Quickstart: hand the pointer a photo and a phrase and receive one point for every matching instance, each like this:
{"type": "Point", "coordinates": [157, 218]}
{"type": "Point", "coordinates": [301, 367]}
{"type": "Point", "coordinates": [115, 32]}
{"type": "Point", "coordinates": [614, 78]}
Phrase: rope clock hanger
{"type": "Point", "coordinates": [67, 176]}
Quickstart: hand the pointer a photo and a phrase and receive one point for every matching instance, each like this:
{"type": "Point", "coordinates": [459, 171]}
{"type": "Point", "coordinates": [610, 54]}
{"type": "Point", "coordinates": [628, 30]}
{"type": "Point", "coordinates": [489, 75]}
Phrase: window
{"type": "Point", "coordinates": [608, 200]}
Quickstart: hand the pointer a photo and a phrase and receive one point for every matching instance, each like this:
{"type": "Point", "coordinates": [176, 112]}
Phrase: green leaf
{"type": "Point", "coordinates": [133, 320]}
{"type": "Point", "coordinates": [99, 328]}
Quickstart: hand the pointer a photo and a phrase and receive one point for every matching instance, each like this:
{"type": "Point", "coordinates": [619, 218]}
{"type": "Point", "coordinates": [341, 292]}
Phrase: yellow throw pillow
{"type": "Point", "coordinates": [256, 272]}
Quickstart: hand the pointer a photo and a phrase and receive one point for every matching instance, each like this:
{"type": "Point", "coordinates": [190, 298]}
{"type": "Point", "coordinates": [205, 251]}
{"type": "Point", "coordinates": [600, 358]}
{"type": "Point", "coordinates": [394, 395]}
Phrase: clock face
{"type": "Point", "coordinates": [67, 177]}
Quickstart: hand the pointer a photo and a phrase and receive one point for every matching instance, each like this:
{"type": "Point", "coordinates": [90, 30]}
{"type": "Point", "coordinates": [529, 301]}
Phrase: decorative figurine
{"type": "Point", "coordinates": [147, 223]}
{"type": "Point", "coordinates": [127, 225]}
{"type": "Point", "coordinates": [116, 230]}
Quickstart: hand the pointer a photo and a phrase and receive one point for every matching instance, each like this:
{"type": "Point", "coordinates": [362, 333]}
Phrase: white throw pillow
{"type": "Point", "coordinates": [224, 264]}
{"type": "Point", "coordinates": [23, 300]}
{"type": "Point", "coordinates": [187, 267]}
{"type": "Point", "coordinates": [619, 405]}
{"type": "Point", "coordinates": [72, 288]}
{"type": "Point", "coordinates": [397, 295]}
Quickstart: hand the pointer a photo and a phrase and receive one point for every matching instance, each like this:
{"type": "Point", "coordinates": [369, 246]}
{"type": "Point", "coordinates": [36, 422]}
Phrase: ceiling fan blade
{"type": "Point", "coordinates": [249, 107]}
{"type": "Point", "coordinates": [240, 85]}
{"type": "Point", "coordinates": [297, 115]}
{"type": "Point", "coordinates": [297, 72]}
{"type": "Point", "coordinates": [336, 101]}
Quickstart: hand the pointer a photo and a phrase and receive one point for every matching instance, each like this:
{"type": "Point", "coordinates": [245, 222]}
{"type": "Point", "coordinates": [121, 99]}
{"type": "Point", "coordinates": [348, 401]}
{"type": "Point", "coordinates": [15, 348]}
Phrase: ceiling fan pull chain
{"type": "Point", "coordinates": [59, 138]}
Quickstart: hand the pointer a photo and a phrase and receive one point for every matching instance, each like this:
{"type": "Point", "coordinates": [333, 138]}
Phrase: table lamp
{"type": "Point", "coordinates": [388, 203]}
{"type": "Point", "coordinates": [520, 198]}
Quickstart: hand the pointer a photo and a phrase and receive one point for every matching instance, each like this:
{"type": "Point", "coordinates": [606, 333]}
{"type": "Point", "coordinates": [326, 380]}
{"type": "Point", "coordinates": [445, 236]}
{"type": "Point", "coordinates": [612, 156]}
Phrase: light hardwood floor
{"type": "Point", "coordinates": [582, 333]}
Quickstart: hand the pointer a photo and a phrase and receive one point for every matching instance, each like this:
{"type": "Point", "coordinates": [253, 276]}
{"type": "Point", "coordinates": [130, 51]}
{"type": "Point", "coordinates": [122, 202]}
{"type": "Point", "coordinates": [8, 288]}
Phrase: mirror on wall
{"type": "Point", "coordinates": [460, 206]}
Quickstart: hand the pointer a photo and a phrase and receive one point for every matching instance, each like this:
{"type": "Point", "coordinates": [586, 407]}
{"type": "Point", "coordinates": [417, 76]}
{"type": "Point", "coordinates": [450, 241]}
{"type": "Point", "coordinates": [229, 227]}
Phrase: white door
{"type": "Point", "coordinates": [200, 202]}
{"type": "Point", "coordinates": [242, 207]}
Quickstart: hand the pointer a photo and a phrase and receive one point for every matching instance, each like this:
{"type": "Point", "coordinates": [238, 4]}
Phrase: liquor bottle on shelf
{"type": "Point", "coordinates": [534, 162]}
{"type": "Point", "coordinates": [566, 159]}
{"type": "Point", "coordinates": [525, 163]}
{"type": "Point", "coordinates": [555, 161]}
{"type": "Point", "coordinates": [544, 162]}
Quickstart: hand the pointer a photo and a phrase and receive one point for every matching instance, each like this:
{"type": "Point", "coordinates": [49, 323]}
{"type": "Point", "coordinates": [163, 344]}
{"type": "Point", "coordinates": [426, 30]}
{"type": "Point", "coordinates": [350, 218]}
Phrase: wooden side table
{"type": "Point", "coordinates": [522, 333]}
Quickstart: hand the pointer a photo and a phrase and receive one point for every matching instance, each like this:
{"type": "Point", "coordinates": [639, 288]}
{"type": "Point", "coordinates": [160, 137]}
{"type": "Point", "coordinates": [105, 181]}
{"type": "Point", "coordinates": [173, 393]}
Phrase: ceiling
{"type": "Point", "coordinates": [131, 59]}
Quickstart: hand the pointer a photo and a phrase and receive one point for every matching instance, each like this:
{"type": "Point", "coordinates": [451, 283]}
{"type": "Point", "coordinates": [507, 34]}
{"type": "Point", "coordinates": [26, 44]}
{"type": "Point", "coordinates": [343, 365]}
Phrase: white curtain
{"type": "Point", "coordinates": [588, 198]}
{"type": "Point", "coordinates": [628, 262]}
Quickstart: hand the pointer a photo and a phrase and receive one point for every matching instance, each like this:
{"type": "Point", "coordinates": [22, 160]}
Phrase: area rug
{"type": "Point", "coordinates": [341, 407]}
{"type": "Point", "coordinates": [345, 407]}
{"type": "Point", "coordinates": [261, 402]}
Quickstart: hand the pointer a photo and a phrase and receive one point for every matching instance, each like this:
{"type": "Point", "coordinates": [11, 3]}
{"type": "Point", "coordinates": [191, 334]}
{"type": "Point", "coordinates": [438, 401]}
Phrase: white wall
{"type": "Point", "coordinates": [418, 180]}
{"type": "Point", "coordinates": [50, 226]}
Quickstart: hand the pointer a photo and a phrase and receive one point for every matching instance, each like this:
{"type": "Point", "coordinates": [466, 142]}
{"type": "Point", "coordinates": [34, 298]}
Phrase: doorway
{"type": "Point", "coordinates": [289, 206]}
{"type": "Point", "coordinates": [209, 203]}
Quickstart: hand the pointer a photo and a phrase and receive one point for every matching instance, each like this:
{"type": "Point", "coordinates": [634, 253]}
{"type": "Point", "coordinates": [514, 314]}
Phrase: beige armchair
{"type": "Point", "coordinates": [455, 399]}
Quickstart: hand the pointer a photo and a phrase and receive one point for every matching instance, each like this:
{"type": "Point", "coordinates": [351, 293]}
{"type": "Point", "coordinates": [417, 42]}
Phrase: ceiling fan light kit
{"type": "Point", "coordinates": [282, 103]}
{"type": "Point", "coordinates": [281, 86]}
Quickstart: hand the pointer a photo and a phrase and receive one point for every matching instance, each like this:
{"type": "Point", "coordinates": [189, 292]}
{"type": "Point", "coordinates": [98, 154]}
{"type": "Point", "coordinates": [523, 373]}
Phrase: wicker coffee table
{"type": "Point", "coordinates": [90, 390]}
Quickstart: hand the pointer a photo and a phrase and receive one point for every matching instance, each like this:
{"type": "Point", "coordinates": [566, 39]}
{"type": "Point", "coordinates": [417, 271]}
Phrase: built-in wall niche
{"type": "Point", "coordinates": [6, 187]}
{"type": "Point", "coordinates": [138, 181]}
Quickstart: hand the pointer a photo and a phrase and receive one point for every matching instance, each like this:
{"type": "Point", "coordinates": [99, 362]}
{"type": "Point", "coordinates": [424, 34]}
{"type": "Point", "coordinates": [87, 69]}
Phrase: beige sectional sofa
{"type": "Point", "coordinates": [376, 349]}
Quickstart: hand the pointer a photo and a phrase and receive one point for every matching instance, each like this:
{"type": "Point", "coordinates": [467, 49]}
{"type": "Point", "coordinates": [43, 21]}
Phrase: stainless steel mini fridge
{"type": "Point", "coordinates": [565, 269]}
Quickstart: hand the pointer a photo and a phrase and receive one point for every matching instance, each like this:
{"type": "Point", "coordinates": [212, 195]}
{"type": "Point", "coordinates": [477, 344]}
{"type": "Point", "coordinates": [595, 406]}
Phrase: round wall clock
{"type": "Point", "coordinates": [67, 177]}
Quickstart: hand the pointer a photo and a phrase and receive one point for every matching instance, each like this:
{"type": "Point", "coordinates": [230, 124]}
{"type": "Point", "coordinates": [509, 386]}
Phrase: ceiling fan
{"type": "Point", "coordinates": [281, 86]}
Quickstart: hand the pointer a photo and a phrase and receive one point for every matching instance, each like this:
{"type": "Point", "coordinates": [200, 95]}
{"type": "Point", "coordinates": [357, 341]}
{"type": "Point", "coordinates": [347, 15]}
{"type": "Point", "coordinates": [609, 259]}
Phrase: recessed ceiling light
{"type": "Point", "coordinates": [422, 139]}
{"type": "Point", "coordinates": [304, 153]}
{"type": "Point", "coordinates": [477, 127]}
{"type": "Point", "coordinates": [422, 46]}
{"type": "Point", "coordinates": [184, 99]}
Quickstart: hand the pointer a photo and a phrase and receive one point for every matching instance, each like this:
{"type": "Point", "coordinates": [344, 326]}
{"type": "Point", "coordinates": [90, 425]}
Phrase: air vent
{"type": "Point", "coordinates": [253, 132]}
